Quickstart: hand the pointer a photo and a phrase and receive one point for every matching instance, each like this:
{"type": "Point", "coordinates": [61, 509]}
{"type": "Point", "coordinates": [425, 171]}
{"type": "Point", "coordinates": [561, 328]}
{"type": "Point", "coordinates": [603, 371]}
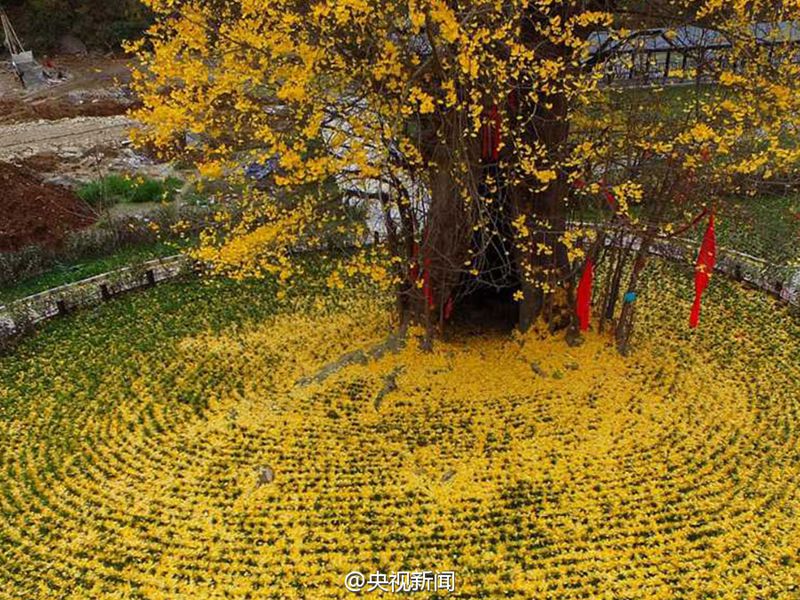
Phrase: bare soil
{"type": "Point", "coordinates": [37, 213]}
{"type": "Point", "coordinates": [56, 138]}
{"type": "Point", "coordinates": [51, 109]}
{"type": "Point", "coordinates": [74, 131]}
{"type": "Point", "coordinates": [94, 87]}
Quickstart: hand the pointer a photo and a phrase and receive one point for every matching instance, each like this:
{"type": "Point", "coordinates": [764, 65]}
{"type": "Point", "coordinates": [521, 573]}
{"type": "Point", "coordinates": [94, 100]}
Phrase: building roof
{"type": "Point", "coordinates": [686, 38]}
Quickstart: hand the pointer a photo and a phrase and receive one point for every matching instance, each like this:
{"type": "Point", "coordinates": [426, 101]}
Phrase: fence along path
{"type": "Point", "coordinates": [22, 315]}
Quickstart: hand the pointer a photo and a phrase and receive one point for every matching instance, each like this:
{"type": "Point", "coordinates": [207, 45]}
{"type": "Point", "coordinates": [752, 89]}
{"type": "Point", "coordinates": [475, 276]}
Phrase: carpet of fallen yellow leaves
{"type": "Point", "coordinates": [180, 461]}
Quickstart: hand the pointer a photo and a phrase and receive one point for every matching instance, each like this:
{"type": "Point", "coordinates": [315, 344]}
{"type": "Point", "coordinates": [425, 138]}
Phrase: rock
{"type": "Point", "coordinates": [394, 343]}
{"type": "Point", "coordinates": [265, 475]}
{"type": "Point", "coordinates": [70, 44]}
{"type": "Point", "coordinates": [538, 370]}
{"type": "Point", "coordinates": [63, 181]}
{"type": "Point", "coordinates": [574, 338]}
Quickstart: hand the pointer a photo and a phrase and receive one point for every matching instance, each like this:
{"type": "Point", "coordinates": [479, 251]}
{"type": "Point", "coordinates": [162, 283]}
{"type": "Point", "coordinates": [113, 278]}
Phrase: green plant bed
{"type": "Point", "coordinates": [767, 227]}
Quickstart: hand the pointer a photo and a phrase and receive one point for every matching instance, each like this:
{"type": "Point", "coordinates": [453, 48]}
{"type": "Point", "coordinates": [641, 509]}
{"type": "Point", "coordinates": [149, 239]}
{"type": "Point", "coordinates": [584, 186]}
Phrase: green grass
{"type": "Point", "coordinates": [763, 226]}
{"type": "Point", "coordinates": [117, 189]}
{"type": "Point", "coordinates": [66, 273]}
{"type": "Point", "coordinates": [162, 315]}
{"type": "Point", "coordinates": [766, 227]}
{"type": "Point", "coordinates": [672, 101]}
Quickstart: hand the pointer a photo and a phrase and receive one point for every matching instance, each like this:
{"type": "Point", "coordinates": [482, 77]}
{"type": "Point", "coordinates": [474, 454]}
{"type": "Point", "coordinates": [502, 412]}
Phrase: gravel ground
{"type": "Point", "coordinates": [22, 140]}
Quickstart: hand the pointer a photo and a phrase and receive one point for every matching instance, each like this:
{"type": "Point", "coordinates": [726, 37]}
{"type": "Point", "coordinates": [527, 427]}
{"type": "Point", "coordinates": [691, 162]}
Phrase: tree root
{"type": "Point", "coordinates": [394, 343]}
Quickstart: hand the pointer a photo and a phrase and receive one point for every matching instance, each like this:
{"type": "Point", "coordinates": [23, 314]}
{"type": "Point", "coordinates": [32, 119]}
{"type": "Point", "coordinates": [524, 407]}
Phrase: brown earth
{"type": "Point", "coordinates": [15, 110]}
{"type": "Point", "coordinates": [36, 213]}
{"type": "Point", "coordinates": [96, 86]}
{"type": "Point", "coordinates": [45, 162]}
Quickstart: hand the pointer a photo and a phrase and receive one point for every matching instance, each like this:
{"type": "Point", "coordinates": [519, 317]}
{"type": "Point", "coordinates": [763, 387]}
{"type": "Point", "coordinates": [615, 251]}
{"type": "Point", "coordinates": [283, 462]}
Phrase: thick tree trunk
{"type": "Point", "coordinates": [541, 273]}
{"type": "Point", "coordinates": [547, 126]}
{"type": "Point", "coordinates": [544, 277]}
{"type": "Point", "coordinates": [445, 237]}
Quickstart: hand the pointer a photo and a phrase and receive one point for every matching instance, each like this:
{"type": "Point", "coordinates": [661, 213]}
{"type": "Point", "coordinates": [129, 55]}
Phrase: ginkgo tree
{"type": "Point", "coordinates": [483, 134]}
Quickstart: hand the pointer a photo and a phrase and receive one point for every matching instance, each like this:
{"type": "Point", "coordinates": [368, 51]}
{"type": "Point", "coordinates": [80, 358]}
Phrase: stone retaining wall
{"type": "Point", "coordinates": [21, 315]}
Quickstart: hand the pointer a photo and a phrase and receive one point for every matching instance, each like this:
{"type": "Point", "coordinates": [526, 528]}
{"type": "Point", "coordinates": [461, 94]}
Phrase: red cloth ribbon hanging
{"type": "Point", "coordinates": [490, 149]}
{"type": "Point", "coordinates": [496, 142]}
{"type": "Point", "coordinates": [448, 309]}
{"type": "Point", "coordinates": [703, 269]}
{"type": "Point", "coordinates": [612, 202]}
{"type": "Point", "coordinates": [427, 289]}
{"type": "Point", "coordinates": [513, 101]}
{"type": "Point", "coordinates": [584, 299]}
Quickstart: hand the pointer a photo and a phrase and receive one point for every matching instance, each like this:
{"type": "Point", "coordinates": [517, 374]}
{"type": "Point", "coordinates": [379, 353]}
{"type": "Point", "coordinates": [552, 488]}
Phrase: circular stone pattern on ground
{"type": "Point", "coordinates": [181, 459]}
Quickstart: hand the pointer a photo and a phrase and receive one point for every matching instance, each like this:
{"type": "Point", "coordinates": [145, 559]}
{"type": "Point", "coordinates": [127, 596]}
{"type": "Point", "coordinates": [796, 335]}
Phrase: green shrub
{"type": "Point", "coordinates": [101, 24]}
{"type": "Point", "coordinates": [122, 31]}
{"type": "Point", "coordinates": [115, 189]}
{"type": "Point", "coordinates": [107, 191]}
{"type": "Point", "coordinates": [105, 238]}
{"type": "Point", "coordinates": [148, 190]}
{"type": "Point", "coordinates": [171, 186]}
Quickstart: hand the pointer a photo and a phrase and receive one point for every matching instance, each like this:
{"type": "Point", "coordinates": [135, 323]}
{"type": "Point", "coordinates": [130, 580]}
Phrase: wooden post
{"type": "Point", "coordinates": [105, 292]}
{"type": "Point", "coordinates": [62, 307]}
{"type": "Point", "coordinates": [151, 278]}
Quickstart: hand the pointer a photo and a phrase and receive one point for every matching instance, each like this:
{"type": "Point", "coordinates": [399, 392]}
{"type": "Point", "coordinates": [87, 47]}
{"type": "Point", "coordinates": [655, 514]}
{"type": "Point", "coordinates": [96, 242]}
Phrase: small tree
{"type": "Point", "coordinates": [479, 131]}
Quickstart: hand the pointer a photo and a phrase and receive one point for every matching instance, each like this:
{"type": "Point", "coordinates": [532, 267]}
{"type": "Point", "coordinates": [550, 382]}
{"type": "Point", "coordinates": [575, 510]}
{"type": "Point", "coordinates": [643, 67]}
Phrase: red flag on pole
{"type": "Point", "coordinates": [703, 269]}
{"type": "Point", "coordinates": [584, 299]}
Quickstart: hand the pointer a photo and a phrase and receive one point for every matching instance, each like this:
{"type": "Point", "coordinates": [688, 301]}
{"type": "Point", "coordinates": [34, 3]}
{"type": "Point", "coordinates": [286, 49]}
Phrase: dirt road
{"type": "Point", "coordinates": [77, 135]}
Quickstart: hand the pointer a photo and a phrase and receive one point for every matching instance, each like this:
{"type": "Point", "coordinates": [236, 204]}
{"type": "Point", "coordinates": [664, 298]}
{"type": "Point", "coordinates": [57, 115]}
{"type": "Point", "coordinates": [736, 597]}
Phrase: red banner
{"type": "Point", "coordinates": [706, 261]}
{"type": "Point", "coordinates": [584, 299]}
